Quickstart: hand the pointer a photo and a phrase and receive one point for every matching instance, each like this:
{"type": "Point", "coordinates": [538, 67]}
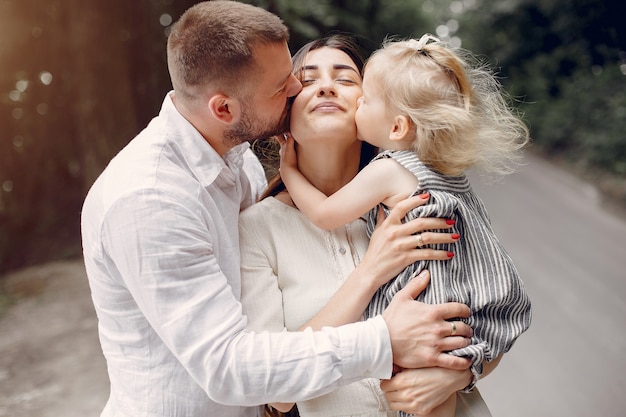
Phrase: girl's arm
{"type": "Point", "coordinates": [377, 182]}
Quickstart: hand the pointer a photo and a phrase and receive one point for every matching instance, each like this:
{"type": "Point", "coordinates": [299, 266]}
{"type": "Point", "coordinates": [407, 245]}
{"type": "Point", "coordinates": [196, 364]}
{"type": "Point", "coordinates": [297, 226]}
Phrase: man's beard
{"type": "Point", "coordinates": [250, 128]}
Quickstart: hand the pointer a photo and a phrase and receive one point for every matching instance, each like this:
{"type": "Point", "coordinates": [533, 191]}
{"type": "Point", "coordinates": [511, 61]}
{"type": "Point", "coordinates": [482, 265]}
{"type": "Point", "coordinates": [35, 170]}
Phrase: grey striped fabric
{"type": "Point", "coordinates": [480, 275]}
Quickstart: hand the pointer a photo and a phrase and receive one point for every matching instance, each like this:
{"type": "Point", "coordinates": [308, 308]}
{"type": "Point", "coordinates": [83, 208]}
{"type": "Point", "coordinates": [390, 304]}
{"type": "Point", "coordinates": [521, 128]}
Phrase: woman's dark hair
{"type": "Point", "coordinates": [348, 45]}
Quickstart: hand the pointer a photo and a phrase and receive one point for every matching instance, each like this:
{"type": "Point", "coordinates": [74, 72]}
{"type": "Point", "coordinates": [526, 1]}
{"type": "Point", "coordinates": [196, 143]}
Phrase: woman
{"type": "Point", "coordinates": [295, 275]}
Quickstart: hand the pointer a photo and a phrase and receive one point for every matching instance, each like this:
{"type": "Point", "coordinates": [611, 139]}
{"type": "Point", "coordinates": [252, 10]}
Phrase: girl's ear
{"type": "Point", "coordinates": [401, 128]}
{"type": "Point", "coordinates": [224, 108]}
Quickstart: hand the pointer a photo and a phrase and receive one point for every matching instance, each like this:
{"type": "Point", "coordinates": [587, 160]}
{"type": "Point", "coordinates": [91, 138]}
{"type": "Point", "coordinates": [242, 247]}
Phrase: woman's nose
{"type": "Point", "coordinates": [327, 88]}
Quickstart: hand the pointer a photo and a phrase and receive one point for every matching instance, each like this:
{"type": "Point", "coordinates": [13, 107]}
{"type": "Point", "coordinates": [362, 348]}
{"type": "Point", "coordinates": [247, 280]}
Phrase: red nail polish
{"type": "Point", "coordinates": [450, 221]}
{"type": "Point", "coordinates": [424, 196]}
{"type": "Point", "coordinates": [456, 236]}
{"type": "Point", "coordinates": [450, 254]}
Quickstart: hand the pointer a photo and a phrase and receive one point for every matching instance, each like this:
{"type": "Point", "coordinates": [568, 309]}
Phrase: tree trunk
{"type": "Point", "coordinates": [98, 75]}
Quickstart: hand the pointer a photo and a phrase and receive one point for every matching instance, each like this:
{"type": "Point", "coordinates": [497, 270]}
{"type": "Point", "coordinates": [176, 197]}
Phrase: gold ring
{"type": "Point", "coordinates": [453, 332]}
{"type": "Point", "coordinates": [420, 242]}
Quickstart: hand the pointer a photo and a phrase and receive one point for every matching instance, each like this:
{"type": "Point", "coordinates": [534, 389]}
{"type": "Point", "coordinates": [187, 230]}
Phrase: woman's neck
{"type": "Point", "coordinates": [328, 168]}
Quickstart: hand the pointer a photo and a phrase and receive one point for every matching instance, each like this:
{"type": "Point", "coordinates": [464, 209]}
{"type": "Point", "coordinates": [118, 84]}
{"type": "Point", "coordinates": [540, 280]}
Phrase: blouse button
{"type": "Point", "coordinates": [342, 251]}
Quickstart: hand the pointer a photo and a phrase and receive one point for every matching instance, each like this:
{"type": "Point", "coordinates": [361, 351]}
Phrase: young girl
{"type": "Point", "coordinates": [435, 116]}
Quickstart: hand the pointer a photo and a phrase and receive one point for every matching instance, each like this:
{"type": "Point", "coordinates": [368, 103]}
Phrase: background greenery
{"type": "Point", "coordinates": [79, 78]}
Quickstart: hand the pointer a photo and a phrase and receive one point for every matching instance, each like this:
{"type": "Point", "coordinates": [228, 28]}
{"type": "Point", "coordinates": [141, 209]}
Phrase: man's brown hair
{"type": "Point", "coordinates": [211, 45]}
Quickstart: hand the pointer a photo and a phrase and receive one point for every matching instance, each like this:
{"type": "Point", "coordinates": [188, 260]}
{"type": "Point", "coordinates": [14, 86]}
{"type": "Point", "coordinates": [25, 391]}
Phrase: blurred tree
{"type": "Point", "coordinates": [370, 20]}
{"type": "Point", "coordinates": [79, 79]}
{"type": "Point", "coordinates": [566, 59]}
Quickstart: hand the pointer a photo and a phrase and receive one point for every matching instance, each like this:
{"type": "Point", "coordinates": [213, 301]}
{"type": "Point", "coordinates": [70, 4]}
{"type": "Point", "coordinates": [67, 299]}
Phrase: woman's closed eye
{"type": "Point", "coordinates": [346, 81]}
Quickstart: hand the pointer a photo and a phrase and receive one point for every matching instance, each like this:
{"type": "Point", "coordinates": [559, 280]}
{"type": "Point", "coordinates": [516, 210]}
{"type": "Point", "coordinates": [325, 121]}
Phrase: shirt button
{"type": "Point", "coordinates": [342, 251]}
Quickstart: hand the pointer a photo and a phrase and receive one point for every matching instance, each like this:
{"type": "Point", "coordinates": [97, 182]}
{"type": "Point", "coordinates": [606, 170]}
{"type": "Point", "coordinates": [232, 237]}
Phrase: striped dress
{"type": "Point", "coordinates": [480, 275]}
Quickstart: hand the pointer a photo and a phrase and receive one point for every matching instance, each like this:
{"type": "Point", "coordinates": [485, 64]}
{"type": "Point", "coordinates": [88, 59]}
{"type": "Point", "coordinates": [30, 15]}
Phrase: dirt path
{"type": "Point", "coordinates": [51, 364]}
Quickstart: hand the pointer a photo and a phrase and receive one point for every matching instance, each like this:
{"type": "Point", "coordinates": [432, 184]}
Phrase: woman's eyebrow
{"type": "Point", "coordinates": [335, 66]}
{"type": "Point", "coordinates": [341, 67]}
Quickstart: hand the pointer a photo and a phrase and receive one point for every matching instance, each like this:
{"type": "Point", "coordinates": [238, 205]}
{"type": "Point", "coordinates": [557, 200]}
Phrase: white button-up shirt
{"type": "Point", "coordinates": [161, 248]}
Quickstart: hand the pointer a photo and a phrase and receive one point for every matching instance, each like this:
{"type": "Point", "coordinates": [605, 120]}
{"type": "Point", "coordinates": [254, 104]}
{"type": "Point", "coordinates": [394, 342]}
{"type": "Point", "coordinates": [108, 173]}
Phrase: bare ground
{"type": "Point", "coordinates": [51, 363]}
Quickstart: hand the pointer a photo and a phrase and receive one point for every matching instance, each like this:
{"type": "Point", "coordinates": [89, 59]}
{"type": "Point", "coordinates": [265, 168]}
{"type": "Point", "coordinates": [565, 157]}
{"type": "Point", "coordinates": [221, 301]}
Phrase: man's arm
{"type": "Point", "coordinates": [419, 391]}
{"type": "Point", "coordinates": [164, 253]}
{"type": "Point", "coordinates": [184, 295]}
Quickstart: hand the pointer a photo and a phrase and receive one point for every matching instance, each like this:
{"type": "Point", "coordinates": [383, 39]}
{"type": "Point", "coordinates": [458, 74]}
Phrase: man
{"type": "Point", "coordinates": [161, 246]}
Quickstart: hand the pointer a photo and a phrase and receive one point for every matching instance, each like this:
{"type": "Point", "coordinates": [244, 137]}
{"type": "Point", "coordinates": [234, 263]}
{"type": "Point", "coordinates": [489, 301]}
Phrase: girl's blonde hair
{"type": "Point", "coordinates": [458, 111]}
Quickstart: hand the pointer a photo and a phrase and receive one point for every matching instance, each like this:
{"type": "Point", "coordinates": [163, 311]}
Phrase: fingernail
{"type": "Point", "coordinates": [424, 196]}
{"type": "Point", "coordinates": [422, 275]}
{"type": "Point", "coordinates": [450, 221]}
{"type": "Point", "coordinates": [456, 236]}
{"type": "Point", "coordinates": [450, 254]}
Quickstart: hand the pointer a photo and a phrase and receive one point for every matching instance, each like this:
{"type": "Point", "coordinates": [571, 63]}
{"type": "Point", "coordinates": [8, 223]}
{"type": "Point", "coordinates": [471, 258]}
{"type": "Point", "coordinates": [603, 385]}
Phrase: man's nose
{"type": "Point", "coordinates": [295, 86]}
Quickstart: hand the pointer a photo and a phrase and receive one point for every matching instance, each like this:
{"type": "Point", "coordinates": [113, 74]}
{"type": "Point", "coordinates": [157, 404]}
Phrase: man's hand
{"type": "Point", "coordinates": [419, 391]}
{"type": "Point", "coordinates": [420, 333]}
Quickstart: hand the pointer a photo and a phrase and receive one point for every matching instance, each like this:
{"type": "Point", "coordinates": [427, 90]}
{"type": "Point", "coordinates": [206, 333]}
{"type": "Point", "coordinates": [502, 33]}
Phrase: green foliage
{"type": "Point", "coordinates": [566, 62]}
{"type": "Point", "coordinates": [371, 20]}
{"type": "Point", "coordinates": [586, 120]}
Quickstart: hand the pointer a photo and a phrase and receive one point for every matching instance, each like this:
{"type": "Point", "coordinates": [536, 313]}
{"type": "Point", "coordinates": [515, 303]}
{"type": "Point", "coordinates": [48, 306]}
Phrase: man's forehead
{"type": "Point", "coordinates": [275, 61]}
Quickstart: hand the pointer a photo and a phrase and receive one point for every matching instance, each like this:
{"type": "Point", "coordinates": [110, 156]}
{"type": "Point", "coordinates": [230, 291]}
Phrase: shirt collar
{"type": "Point", "coordinates": [201, 158]}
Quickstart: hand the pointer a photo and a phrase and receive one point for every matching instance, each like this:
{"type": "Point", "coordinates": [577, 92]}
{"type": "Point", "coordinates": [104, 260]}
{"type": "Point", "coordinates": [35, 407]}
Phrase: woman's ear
{"type": "Point", "coordinates": [224, 108]}
{"type": "Point", "coordinates": [401, 128]}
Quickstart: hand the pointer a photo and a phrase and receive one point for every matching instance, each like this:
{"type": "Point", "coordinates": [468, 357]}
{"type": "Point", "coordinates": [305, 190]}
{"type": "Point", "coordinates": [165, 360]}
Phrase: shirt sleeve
{"type": "Point", "coordinates": [163, 250]}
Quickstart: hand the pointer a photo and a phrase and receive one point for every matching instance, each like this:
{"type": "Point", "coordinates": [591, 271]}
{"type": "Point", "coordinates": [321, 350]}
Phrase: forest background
{"type": "Point", "coordinates": [80, 78]}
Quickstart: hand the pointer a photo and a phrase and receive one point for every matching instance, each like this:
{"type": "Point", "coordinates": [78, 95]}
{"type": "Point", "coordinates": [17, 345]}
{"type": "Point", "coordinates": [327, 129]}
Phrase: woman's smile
{"type": "Point", "coordinates": [328, 106]}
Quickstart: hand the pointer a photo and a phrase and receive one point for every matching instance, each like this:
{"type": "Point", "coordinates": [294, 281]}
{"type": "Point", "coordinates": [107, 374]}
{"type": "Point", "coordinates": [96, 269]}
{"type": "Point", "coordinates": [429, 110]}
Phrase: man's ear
{"type": "Point", "coordinates": [224, 108]}
{"type": "Point", "coordinates": [401, 128]}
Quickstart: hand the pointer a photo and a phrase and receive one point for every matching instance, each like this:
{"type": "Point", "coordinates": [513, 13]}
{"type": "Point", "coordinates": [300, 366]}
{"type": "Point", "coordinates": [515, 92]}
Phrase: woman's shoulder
{"type": "Point", "coordinates": [257, 210]}
{"type": "Point", "coordinates": [267, 211]}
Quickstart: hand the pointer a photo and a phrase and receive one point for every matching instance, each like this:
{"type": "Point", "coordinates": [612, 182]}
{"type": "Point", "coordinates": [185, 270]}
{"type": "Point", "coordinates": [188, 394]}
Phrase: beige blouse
{"type": "Point", "coordinates": [289, 270]}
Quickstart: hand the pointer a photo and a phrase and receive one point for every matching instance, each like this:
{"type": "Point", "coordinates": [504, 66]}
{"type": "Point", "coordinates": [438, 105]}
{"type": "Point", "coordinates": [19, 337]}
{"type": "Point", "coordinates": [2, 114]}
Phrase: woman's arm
{"type": "Point", "coordinates": [261, 297]}
{"type": "Point", "coordinates": [392, 248]}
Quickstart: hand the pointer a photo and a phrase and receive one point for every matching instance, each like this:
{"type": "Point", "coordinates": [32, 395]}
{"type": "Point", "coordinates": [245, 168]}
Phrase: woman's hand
{"type": "Point", "coordinates": [391, 249]}
{"type": "Point", "coordinates": [395, 245]}
{"type": "Point", "coordinates": [419, 391]}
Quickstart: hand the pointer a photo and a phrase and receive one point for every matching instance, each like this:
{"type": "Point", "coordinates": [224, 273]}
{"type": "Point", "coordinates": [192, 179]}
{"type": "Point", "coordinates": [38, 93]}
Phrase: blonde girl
{"type": "Point", "coordinates": [435, 113]}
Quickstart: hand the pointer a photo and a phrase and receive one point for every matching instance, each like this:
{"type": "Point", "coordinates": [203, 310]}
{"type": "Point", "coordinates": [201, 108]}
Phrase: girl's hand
{"type": "Point", "coordinates": [288, 156]}
{"type": "Point", "coordinates": [395, 245]}
{"type": "Point", "coordinates": [419, 391]}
